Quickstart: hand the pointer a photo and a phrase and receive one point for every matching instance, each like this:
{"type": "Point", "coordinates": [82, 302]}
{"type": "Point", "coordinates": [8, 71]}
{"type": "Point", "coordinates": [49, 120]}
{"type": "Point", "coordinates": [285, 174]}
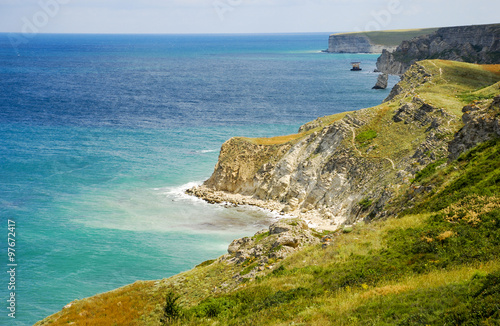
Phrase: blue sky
{"type": "Point", "coordinates": [238, 16]}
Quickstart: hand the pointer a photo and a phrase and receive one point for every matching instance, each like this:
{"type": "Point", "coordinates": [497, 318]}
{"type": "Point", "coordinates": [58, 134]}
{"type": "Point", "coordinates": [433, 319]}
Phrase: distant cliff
{"type": "Point", "coordinates": [474, 44]}
{"type": "Point", "coordinates": [371, 42]}
{"type": "Point", "coordinates": [353, 43]}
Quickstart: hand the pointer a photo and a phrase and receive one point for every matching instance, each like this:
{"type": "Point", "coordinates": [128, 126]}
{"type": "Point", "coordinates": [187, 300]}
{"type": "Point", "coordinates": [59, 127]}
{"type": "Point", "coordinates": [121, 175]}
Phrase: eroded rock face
{"type": "Point", "coordinates": [481, 123]}
{"type": "Point", "coordinates": [474, 44]}
{"type": "Point", "coordinates": [239, 161]}
{"type": "Point", "coordinates": [325, 175]}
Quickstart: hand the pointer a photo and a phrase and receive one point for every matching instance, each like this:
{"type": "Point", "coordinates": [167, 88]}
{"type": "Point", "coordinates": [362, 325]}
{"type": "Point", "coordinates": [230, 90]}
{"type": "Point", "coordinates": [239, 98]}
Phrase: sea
{"type": "Point", "coordinates": [101, 134]}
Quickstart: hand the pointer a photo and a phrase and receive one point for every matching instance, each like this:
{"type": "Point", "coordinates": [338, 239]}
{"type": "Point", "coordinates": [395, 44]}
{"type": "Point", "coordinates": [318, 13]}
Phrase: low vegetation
{"type": "Point", "coordinates": [393, 37]}
{"type": "Point", "coordinates": [365, 137]}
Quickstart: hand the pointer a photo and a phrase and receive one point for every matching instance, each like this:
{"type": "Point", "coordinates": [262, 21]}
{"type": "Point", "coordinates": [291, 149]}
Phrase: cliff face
{"type": "Point", "coordinates": [475, 44]}
{"type": "Point", "coordinates": [481, 123]}
{"type": "Point", "coordinates": [337, 172]}
{"type": "Point", "coordinates": [354, 43]}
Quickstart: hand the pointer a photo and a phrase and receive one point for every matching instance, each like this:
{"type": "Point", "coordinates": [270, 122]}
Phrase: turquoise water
{"type": "Point", "coordinates": [100, 135]}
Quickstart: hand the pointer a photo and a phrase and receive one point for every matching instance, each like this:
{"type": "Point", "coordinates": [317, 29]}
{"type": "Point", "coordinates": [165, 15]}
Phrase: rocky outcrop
{"type": "Point", "coordinates": [474, 44]}
{"type": "Point", "coordinates": [239, 161]}
{"type": "Point", "coordinates": [354, 43]}
{"type": "Point", "coordinates": [381, 83]}
{"type": "Point", "coordinates": [481, 123]}
{"type": "Point", "coordinates": [268, 246]}
{"type": "Point", "coordinates": [254, 256]}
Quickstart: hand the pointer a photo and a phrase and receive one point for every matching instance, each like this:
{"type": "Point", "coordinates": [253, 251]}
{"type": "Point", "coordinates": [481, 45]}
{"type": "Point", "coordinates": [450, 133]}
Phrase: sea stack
{"type": "Point", "coordinates": [381, 81]}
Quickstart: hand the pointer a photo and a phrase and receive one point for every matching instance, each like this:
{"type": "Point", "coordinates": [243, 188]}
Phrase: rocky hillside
{"type": "Point", "coordinates": [434, 260]}
{"type": "Point", "coordinates": [343, 168]}
{"type": "Point", "coordinates": [474, 44]}
{"type": "Point", "coordinates": [372, 42]}
{"type": "Point", "coordinates": [433, 148]}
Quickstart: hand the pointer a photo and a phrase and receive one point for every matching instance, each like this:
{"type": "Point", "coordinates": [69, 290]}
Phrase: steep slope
{"type": "Point", "coordinates": [475, 44]}
{"type": "Point", "coordinates": [345, 167]}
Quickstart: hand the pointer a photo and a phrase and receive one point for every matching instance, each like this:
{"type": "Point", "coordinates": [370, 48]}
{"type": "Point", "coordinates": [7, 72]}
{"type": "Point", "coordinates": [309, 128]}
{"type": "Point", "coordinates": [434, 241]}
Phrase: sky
{"type": "Point", "coordinates": [239, 16]}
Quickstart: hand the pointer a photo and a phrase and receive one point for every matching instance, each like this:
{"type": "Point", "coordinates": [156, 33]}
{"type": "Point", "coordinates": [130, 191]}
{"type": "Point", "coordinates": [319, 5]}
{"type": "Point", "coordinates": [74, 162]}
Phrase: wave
{"type": "Point", "coordinates": [177, 193]}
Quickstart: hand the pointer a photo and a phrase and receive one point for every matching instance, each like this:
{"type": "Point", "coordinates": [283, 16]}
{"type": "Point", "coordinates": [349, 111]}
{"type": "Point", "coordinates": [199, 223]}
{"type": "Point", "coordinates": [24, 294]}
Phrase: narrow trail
{"type": "Point", "coordinates": [440, 71]}
{"type": "Point", "coordinates": [354, 142]}
{"type": "Point", "coordinates": [392, 163]}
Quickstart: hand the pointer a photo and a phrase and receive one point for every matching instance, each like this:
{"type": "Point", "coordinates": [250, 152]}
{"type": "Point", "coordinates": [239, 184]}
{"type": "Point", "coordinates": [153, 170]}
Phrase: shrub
{"type": "Point", "coordinates": [213, 307]}
{"type": "Point", "coordinates": [365, 203]}
{"type": "Point", "coordinates": [428, 170]}
{"type": "Point", "coordinates": [363, 138]}
{"type": "Point", "coordinates": [282, 297]}
{"type": "Point", "coordinates": [172, 310]}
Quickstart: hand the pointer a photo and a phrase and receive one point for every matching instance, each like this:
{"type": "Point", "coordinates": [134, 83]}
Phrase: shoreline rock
{"type": "Point", "coordinates": [382, 81]}
{"type": "Point", "coordinates": [313, 218]}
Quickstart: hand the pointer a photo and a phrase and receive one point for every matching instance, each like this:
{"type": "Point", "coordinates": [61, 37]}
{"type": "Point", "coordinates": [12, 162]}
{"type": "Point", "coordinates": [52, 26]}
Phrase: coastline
{"type": "Point", "coordinates": [313, 218]}
{"type": "Point", "coordinates": [262, 257]}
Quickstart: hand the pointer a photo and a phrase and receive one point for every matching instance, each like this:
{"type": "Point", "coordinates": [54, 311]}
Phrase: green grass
{"type": "Point", "coordinates": [460, 303]}
{"type": "Point", "coordinates": [392, 37]}
{"type": "Point", "coordinates": [471, 97]}
{"type": "Point", "coordinates": [365, 137]}
{"type": "Point", "coordinates": [429, 170]}
{"type": "Point", "coordinates": [452, 82]}
{"type": "Point", "coordinates": [485, 93]}
{"type": "Point", "coordinates": [476, 172]}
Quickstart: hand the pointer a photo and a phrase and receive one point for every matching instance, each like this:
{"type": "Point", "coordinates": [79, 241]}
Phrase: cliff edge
{"type": "Point", "coordinates": [474, 44]}
{"type": "Point", "coordinates": [347, 167]}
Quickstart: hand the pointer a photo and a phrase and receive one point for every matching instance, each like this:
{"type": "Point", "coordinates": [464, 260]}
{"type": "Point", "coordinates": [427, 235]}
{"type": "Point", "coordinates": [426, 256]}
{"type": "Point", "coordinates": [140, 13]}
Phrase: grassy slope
{"type": "Point", "coordinates": [456, 80]}
{"type": "Point", "coordinates": [381, 273]}
{"type": "Point", "coordinates": [392, 37]}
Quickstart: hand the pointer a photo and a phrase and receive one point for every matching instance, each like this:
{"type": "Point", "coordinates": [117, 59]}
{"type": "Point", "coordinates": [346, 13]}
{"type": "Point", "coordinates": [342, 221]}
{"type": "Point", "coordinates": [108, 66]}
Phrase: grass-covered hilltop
{"type": "Point", "coordinates": [372, 41]}
{"type": "Point", "coordinates": [412, 238]}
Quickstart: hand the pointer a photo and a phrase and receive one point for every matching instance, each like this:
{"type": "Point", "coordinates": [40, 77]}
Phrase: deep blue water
{"type": "Point", "coordinates": [99, 135]}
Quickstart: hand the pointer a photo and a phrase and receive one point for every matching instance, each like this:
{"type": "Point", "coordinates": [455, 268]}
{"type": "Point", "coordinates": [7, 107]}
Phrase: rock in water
{"type": "Point", "coordinates": [381, 82]}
